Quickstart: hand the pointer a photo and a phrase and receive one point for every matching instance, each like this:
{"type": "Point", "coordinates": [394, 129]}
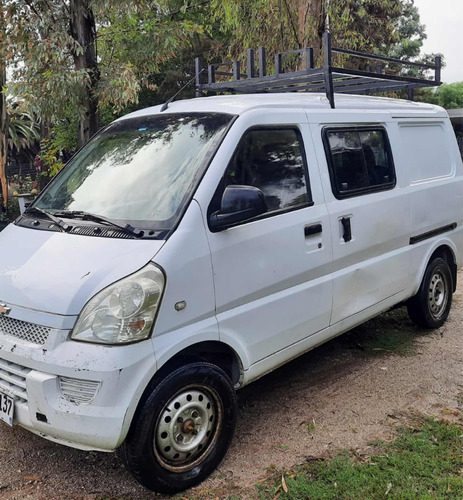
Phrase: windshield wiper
{"type": "Point", "coordinates": [47, 215]}
{"type": "Point", "coordinates": [79, 214]}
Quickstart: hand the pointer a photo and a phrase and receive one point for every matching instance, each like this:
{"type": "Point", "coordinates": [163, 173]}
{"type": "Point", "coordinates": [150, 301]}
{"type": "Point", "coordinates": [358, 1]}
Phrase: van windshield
{"type": "Point", "coordinates": [140, 170]}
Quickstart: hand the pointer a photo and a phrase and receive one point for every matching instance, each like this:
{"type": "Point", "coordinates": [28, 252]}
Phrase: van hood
{"type": "Point", "coordinates": [58, 273]}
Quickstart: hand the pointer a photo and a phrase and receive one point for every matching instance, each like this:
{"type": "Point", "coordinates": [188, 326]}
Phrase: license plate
{"type": "Point", "coordinates": [6, 408]}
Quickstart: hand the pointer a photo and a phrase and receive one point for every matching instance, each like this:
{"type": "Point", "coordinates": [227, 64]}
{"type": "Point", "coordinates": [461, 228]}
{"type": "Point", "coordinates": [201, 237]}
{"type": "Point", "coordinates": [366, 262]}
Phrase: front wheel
{"type": "Point", "coordinates": [182, 430]}
{"type": "Point", "coordinates": [430, 307]}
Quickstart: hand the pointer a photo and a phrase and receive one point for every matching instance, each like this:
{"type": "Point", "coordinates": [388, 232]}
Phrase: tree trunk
{"type": "Point", "coordinates": [82, 28]}
{"type": "Point", "coordinates": [3, 136]}
{"type": "Point", "coordinates": [311, 24]}
{"type": "Point", "coordinates": [44, 177]}
{"type": "Point", "coordinates": [3, 120]}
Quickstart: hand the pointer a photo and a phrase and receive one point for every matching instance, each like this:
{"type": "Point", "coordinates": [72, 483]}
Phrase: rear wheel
{"type": "Point", "coordinates": [183, 429]}
{"type": "Point", "coordinates": [430, 307]}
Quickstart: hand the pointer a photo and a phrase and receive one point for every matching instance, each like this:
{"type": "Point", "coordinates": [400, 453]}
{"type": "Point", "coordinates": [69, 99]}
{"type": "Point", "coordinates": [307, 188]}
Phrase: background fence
{"type": "Point", "coordinates": [21, 171]}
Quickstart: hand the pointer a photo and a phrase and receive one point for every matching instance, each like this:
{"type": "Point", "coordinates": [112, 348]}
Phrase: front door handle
{"type": "Point", "coordinates": [312, 229]}
{"type": "Point", "coordinates": [347, 231]}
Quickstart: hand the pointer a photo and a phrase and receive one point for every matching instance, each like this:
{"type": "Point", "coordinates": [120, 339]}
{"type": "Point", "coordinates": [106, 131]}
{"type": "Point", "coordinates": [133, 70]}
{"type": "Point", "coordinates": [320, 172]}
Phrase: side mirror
{"type": "Point", "coordinates": [239, 203]}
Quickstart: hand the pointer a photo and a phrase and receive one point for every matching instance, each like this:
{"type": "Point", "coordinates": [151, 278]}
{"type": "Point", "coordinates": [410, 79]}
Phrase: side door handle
{"type": "Point", "coordinates": [312, 229]}
{"type": "Point", "coordinates": [347, 230]}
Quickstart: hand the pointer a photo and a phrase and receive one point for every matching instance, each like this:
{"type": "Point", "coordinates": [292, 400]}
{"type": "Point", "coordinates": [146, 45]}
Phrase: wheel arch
{"type": "Point", "coordinates": [445, 252]}
{"type": "Point", "coordinates": [444, 249]}
{"type": "Point", "coordinates": [211, 351]}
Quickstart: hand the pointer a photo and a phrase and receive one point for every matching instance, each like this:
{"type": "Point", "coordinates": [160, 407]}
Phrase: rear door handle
{"type": "Point", "coordinates": [347, 231]}
{"type": "Point", "coordinates": [312, 229]}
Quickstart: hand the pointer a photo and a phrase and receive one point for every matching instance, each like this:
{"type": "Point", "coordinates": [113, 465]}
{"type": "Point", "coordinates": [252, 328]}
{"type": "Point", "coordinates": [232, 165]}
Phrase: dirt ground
{"type": "Point", "coordinates": [341, 395]}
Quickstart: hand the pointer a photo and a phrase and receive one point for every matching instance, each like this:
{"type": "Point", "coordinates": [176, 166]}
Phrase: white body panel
{"type": "Point", "coordinates": [189, 279]}
{"type": "Point", "coordinates": [58, 273]}
{"type": "Point", "coordinates": [262, 288]}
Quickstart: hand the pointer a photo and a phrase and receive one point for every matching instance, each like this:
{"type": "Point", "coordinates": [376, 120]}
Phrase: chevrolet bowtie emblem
{"type": "Point", "coordinates": [4, 309]}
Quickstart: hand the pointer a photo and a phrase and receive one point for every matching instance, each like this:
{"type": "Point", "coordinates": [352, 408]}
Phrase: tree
{"type": "Point", "coordinates": [407, 42]}
{"type": "Point", "coordinates": [448, 95]}
{"type": "Point", "coordinates": [293, 24]}
{"type": "Point", "coordinates": [99, 55]}
{"type": "Point", "coordinates": [409, 34]}
{"type": "Point", "coordinates": [87, 53]}
{"type": "Point", "coordinates": [83, 31]}
{"type": "Point", "coordinates": [47, 50]}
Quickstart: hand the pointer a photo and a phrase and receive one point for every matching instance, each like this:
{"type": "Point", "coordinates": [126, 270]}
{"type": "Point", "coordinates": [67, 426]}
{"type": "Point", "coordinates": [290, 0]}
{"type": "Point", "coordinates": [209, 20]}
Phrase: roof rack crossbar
{"type": "Point", "coordinates": [378, 57]}
{"type": "Point", "coordinates": [319, 87]}
{"type": "Point", "coordinates": [317, 82]}
{"type": "Point", "coordinates": [368, 88]}
{"type": "Point", "coordinates": [277, 81]}
{"type": "Point", "coordinates": [376, 90]}
{"type": "Point", "coordinates": [348, 89]}
{"type": "Point", "coordinates": [328, 78]}
{"type": "Point", "coordinates": [382, 76]}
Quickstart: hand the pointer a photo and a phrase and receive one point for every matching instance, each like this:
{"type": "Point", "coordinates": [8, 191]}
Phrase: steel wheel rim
{"type": "Point", "coordinates": [188, 428]}
{"type": "Point", "coordinates": [437, 294]}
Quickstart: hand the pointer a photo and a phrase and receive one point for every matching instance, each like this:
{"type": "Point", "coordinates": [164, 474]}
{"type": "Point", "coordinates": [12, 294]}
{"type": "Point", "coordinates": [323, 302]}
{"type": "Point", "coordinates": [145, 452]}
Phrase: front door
{"type": "Point", "coordinates": [271, 274]}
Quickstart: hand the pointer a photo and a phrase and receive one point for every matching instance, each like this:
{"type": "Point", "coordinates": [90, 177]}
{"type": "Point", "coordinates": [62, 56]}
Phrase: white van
{"type": "Point", "coordinates": [184, 253]}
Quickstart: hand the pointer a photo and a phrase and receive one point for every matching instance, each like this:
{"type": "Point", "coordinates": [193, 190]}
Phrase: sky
{"type": "Point", "coordinates": [444, 27]}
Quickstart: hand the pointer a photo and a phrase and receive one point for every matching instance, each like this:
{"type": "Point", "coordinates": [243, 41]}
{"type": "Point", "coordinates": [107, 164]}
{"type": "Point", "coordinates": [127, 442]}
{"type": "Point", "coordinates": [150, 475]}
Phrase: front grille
{"type": "Point", "coordinates": [78, 391]}
{"type": "Point", "coordinates": [13, 379]}
{"type": "Point", "coordinates": [36, 334]}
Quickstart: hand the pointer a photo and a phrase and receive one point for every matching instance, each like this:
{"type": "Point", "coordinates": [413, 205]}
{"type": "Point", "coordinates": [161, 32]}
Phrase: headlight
{"type": "Point", "coordinates": [124, 311]}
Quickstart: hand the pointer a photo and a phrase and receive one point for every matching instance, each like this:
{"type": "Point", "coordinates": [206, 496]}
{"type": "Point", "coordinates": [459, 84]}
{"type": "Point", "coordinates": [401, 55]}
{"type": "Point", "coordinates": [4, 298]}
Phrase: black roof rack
{"type": "Point", "coordinates": [328, 79]}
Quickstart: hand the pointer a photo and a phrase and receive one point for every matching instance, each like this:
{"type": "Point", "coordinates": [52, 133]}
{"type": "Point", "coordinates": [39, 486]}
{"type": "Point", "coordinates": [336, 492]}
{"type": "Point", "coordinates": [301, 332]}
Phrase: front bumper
{"type": "Point", "coordinates": [52, 383]}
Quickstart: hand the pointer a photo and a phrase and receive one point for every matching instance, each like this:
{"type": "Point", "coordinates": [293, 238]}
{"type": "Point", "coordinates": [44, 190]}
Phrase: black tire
{"type": "Point", "coordinates": [430, 307]}
{"type": "Point", "coordinates": [182, 429]}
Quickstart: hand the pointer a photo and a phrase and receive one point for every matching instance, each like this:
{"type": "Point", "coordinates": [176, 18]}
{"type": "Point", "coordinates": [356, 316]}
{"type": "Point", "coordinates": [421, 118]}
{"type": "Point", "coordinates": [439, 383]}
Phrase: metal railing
{"type": "Point", "coordinates": [328, 79]}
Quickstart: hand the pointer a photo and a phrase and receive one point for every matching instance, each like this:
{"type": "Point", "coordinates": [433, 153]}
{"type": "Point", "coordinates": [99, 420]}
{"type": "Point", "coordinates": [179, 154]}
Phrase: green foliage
{"type": "Point", "coordinates": [409, 34]}
{"type": "Point", "coordinates": [292, 24]}
{"type": "Point", "coordinates": [23, 129]}
{"type": "Point", "coordinates": [146, 49]}
{"type": "Point", "coordinates": [39, 50]}
{"type": "Point", "coordinates": [424, 462]}
{"type": "Point", "coordinates": [406, 43]}
{"type": "Point", "coordinates": [133, 39]}
{"type": "Point", "coordinates": [448, 95]}
{"type": "Point", "coordinates": [49, 156]}
{"type": "Point", "coordinates": [63, 136]}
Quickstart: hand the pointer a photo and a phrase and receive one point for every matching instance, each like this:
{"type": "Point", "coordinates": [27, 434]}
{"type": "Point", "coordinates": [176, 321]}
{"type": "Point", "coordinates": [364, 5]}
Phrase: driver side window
{"type": "Point", "coordinates": [272, 160]}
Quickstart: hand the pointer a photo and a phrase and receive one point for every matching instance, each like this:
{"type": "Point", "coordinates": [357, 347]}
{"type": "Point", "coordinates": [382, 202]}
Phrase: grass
{"type": "Point", "coordinates": [423, 462]}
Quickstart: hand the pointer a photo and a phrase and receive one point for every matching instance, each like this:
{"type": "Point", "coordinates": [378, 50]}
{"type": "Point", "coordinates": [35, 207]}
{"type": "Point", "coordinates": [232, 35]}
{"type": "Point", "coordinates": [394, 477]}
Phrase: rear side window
{"type": "Point", "coordinates": [273, 161]}
{"type": "Point", "coordinates": [359, 159]}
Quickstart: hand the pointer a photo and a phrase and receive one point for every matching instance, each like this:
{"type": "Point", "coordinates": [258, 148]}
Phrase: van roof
{"type": "Point", "coordinates": [238, 104]}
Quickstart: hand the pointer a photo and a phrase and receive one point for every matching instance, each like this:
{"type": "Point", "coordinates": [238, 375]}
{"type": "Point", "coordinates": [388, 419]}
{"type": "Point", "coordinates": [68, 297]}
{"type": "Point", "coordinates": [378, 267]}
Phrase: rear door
{"type": "Point", "coordinates": [271, 274]}
{"type": "Point", "coordinates": [369, 213]}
